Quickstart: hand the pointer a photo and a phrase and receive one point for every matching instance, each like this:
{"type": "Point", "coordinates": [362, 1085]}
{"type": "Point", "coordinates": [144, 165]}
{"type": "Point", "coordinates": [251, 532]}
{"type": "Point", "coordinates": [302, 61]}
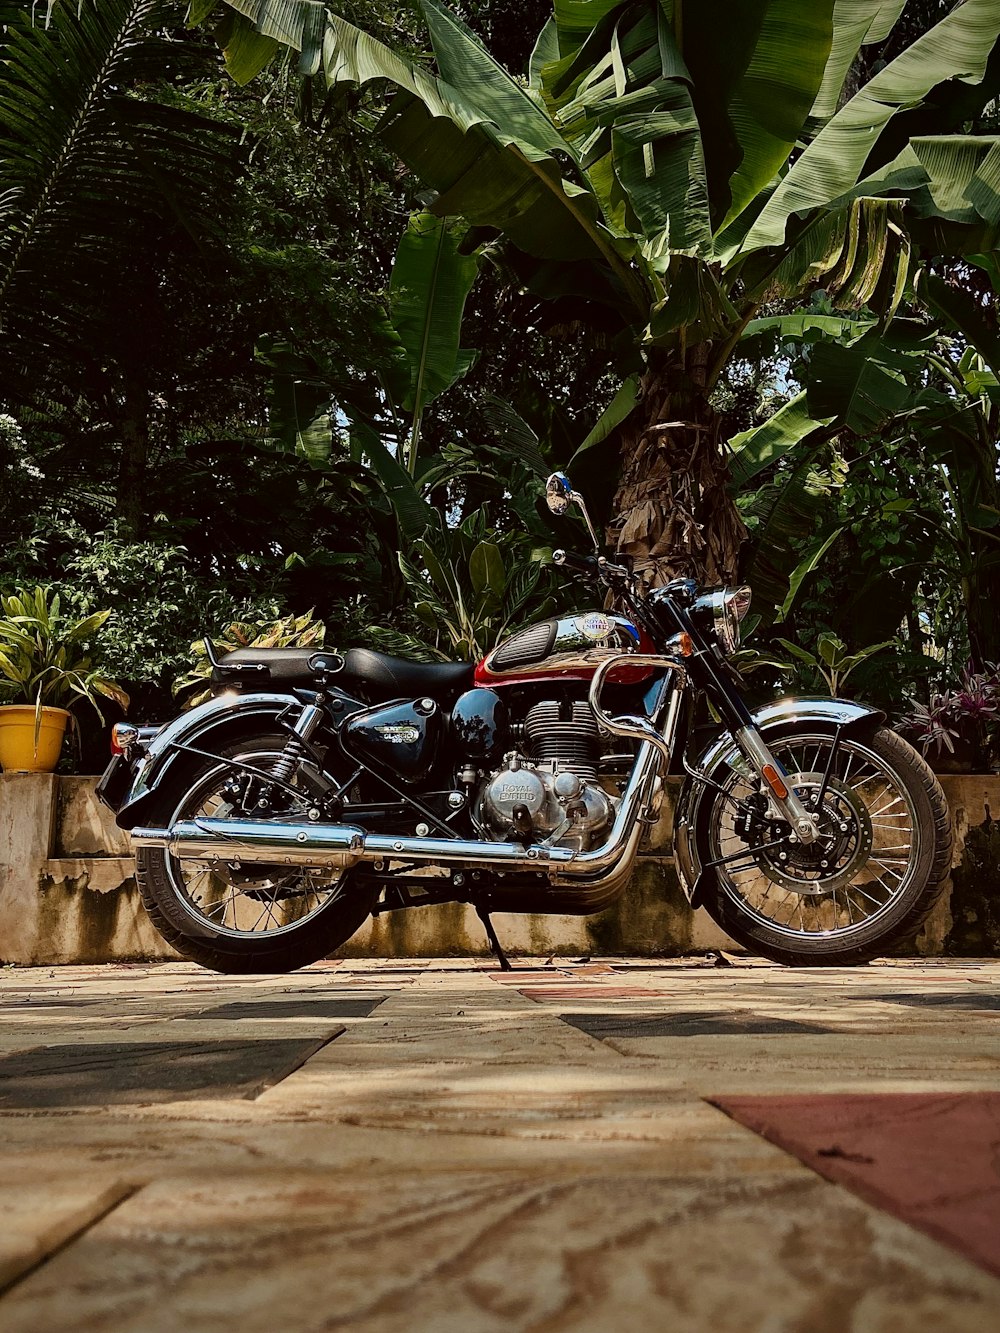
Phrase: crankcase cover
{"type": "Point", "coordinates": [401, 738]}
{"type": "Point", "coordinates": [479, 727]}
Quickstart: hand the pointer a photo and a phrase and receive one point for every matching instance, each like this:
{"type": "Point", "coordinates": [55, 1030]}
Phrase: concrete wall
{"type": "Point", "coordinates": [67, 894]}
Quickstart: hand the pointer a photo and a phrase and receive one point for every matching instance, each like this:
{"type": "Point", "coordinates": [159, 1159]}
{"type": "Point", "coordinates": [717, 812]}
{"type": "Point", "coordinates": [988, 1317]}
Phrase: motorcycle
{"type": "Point", "coordinates": [318, 787]}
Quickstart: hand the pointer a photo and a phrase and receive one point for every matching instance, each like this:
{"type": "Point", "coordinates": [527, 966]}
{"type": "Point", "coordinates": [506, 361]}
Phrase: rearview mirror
{"type": "Point", "coordinates": [558, 493]}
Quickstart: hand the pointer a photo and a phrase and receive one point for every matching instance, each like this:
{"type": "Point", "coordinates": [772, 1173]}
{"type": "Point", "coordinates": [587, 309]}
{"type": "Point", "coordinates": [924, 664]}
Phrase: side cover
{"type": "Point", "coordinates": [774, 720]}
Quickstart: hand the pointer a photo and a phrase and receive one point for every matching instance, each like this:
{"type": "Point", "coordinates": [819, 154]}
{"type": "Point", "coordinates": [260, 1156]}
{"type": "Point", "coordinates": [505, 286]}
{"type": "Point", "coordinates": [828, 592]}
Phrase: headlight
{"type": "Point", "coordinates": [721, 612]}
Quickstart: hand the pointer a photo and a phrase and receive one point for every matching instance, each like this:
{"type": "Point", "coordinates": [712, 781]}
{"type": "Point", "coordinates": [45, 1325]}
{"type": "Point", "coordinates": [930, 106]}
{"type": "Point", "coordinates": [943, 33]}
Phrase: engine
{"type": "Point", "coordinates": [551, 792]}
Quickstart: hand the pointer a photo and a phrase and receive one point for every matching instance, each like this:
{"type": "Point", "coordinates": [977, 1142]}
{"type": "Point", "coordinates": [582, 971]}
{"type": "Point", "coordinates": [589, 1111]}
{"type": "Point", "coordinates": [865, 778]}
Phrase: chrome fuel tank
{"type": "Point", "coordinates": [567, 647]}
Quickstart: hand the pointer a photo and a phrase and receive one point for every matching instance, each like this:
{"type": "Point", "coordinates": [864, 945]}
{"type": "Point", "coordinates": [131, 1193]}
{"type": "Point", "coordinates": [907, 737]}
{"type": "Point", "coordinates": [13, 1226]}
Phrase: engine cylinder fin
{"type": "Point", "coordinates": [566, 733]}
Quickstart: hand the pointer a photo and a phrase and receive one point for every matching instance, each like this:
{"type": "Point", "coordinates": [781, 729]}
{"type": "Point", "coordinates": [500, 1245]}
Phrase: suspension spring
{"type": "Point", "coordinates": [293, 752]}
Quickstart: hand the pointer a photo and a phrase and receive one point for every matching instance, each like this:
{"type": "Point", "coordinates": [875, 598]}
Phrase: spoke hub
{"type": "Point", "coordinates": [840, 851]}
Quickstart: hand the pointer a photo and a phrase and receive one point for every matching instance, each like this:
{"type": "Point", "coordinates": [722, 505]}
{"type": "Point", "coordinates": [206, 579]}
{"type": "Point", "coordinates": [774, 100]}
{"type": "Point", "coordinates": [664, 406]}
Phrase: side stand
{"type": "Point", "coordinates": [491, 935]}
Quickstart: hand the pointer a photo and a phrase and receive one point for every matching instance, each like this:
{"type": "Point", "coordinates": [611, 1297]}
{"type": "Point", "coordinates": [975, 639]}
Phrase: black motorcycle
{"type": "Point", "coordinates": [318, 787]}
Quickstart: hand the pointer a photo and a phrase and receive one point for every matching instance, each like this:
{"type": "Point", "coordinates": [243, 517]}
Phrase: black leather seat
{"type": "Point", "coordinates": [371, 675]}
{"type": "Point", "coordinates": [383, 677]}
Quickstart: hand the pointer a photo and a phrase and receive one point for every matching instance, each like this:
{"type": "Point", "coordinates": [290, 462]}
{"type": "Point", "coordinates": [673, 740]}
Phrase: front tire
{"type": "Point", "coordinates": [228, 920]}
{"type": "Point", "coordinates": [870, 884]}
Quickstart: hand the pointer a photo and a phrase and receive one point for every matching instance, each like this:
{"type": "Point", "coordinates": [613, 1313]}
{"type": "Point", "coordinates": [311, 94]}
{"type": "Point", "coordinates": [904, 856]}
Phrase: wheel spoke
{"type": "Point", "coordinates": [867, 797]}
{"type": "Point", "coordinates": [272, 904]}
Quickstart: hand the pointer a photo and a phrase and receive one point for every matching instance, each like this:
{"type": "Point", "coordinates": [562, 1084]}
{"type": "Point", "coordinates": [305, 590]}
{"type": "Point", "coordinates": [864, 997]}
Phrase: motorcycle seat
{"type": "Point", "coordinates": [380, 676]}
{"type": "Point", "coordinates": [375, 676]}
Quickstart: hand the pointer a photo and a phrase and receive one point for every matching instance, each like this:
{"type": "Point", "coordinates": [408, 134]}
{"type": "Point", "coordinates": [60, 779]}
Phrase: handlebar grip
{"type": "Point", "coordinates": [583, 564]}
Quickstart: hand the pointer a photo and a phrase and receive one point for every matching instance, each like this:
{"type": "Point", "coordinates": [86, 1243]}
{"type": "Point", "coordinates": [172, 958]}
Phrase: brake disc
{"type": "Point", "coordinates": [841, 850]}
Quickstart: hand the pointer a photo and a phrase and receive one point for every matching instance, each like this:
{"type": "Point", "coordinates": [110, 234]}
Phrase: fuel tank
{"type": "Point", "coordinates": [569, 647]}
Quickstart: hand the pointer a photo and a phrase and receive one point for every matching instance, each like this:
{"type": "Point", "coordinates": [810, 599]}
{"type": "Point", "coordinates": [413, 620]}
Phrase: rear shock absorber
{"type": "Point", "coordinates": [296, 745]}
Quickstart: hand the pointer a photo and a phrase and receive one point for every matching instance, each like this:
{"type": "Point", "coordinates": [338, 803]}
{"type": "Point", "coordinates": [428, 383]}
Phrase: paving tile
{"type": "Point", "coordinates": [482, 1252]}
{"type": "Point", "coordinates": [119, 1073]}
{"type": "Point", "coordinates": [984, 1003]}
{"type": "Point", "coordinates": [588, 992]}
{"type": "Point", "coordinates": [709, 1024]}
{"type": "Point", "coordinates": [332, 1007]}
{"type": "Point", "coordinates": [929, 1159]}
{"type": "Point", "coordinates": [40, 1218]}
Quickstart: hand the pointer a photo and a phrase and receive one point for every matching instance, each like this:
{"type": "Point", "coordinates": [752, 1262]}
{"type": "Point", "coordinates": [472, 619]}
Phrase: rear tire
{"type": "Point", "coordinates": [896, 910]}
{"type": "Point", "coordinates": [175, 914]}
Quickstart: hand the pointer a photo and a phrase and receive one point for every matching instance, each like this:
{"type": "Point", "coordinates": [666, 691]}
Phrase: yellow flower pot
{"type": "Point", "coordinates": [18, 752]}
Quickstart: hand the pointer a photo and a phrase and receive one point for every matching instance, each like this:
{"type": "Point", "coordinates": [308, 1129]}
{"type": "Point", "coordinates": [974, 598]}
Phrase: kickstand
{"type": "Point", "coordinates": [495, 944]}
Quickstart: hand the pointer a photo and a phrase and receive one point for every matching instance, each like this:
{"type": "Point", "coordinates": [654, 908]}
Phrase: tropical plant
{"type": "Point", "coordinates": [467, 588]}
{"type": "Point", "coordinates": [963, 722]}
{"type": "Point", "coordinates": [102, 189]}
{"type": "Point", "coordinates": [669, 169]}
{"type": "Point", "coordinates": [289, 631]}
{"type": "Point", "coordinates": [908, 389]}
{"type": "Point", "coordinates": [831, 661]}
{"type": "Point", "coordinates": [47, 660]}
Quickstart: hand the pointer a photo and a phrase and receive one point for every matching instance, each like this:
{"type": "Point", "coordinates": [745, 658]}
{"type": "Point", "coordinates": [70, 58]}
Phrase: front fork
{"type": "Point", "coordinates": [745, 733]}
{"type": "Point", "coordinates": [771, 773]}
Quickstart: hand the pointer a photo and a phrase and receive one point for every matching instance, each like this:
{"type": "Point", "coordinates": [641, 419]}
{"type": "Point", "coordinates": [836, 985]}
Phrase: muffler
{"type": "Point", "coordinates": [337, 846]}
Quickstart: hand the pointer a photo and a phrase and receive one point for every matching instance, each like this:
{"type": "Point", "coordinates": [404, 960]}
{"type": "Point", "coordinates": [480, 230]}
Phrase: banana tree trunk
{"type": "Point", "coordinates": [675, 515]}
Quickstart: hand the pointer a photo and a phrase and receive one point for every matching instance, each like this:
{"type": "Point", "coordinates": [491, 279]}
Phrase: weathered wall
{"type": "Point", "coordinates": [67, 894]}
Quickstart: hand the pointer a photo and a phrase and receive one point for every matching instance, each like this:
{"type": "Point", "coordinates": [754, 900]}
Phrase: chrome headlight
{"type": "Point", "coordinates": [721, 612]}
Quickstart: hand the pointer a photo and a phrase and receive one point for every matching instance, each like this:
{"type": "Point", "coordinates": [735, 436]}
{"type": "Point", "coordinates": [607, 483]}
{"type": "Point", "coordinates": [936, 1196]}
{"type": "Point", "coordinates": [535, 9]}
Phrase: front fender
{"type": "Point", "coordinates": [216, 718]}
{"type": "Point", "coordinates": [774, 720]}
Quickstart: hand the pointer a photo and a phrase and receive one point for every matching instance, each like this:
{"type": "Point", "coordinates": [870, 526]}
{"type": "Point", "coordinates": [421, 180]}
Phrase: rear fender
{"type": "Point", "coordinates": [210, 725]}
{"type": "Point", "coordinates": [775, 720]}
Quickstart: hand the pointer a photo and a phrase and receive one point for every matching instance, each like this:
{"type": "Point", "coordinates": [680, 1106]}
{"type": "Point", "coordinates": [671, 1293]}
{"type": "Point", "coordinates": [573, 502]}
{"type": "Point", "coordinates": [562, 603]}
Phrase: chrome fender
{"type": "Point", "coordinates": [216, 715]}
{"type": "Point", "coordinates": [774, 720]}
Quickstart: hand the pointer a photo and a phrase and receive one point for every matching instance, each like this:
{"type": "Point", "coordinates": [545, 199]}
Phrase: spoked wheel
{"type": "Point", "coordinates": [869, 880]}
{"type": "Point", "coordinates": [233, 916]}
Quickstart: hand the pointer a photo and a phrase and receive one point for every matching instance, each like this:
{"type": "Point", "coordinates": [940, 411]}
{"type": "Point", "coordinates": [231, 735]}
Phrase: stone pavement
{"type": "Point", "coordinates": [391, 1148]}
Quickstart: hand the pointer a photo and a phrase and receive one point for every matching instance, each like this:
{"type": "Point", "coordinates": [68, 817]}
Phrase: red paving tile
{"type": "Point", "coordinates": [932, 1159]}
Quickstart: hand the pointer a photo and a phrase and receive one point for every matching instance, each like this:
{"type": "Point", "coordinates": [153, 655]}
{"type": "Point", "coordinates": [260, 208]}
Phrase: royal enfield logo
{"type": "Point", "coordinates": [595, 626]}
{"type": "Point", "coordinates": [399, 733]}
{"type": "Point", "coordinates": [511, 792]}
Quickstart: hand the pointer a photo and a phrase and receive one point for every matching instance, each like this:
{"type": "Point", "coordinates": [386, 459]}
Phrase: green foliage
{"type": "Point", "coordinates": [467, 588]}
{"type": "Point", "coordinates": [831, 661]}
{"type": "Point", "coordinates": [49, 660]}
{"type": "Point", "coordinates": [646, 151]}
{"type": "Point", "coordinates": [96, 180]}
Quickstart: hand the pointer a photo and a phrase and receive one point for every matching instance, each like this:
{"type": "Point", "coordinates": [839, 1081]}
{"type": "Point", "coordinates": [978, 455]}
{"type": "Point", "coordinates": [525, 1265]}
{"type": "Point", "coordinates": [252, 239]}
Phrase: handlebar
{"type": "Point", "coordinates": [582, 564]}
{"type": "Point", "coordinates": [597, 566]}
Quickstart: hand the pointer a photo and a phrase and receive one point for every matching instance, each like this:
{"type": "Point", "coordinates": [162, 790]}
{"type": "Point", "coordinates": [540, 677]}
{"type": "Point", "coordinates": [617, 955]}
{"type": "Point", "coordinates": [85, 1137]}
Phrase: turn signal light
{"type": "Point", "coordinates": [123, 734]}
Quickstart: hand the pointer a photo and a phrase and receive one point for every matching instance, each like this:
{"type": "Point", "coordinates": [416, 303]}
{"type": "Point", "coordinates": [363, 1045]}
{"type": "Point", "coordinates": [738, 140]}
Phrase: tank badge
{"type": "Point", "coordinates": [595, 626]}
{"type": "Point", "coordinates": [399, 733]}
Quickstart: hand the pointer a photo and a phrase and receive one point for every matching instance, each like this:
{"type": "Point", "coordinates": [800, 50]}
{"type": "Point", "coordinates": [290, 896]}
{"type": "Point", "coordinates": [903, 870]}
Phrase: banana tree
{"type": "Point", "coordinates": [670, 167]}
{"type": "Point", "coordinates": [938, 391]}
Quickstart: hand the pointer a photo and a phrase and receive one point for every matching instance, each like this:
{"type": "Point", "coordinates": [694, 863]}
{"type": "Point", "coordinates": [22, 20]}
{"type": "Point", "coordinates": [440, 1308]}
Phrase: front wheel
{"type": "Point", "coordinates": [868, 882]}
{"type": "Point", "coordinates": [232, 917]}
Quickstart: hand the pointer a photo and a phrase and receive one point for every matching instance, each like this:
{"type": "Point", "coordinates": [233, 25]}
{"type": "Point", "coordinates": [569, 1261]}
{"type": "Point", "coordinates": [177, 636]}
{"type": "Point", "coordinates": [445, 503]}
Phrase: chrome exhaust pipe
{"type": "Point", "coordinates": [341, 846]}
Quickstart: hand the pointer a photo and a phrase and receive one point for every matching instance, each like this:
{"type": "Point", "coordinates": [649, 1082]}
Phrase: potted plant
{"type": "Point", "coordinates": [46, 668]}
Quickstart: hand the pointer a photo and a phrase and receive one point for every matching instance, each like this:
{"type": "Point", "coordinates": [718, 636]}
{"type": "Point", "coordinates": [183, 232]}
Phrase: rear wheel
{"type": "Point", "coordinates": [868, 882]}
{"type": "Point", "coordinates": [239, 917]}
